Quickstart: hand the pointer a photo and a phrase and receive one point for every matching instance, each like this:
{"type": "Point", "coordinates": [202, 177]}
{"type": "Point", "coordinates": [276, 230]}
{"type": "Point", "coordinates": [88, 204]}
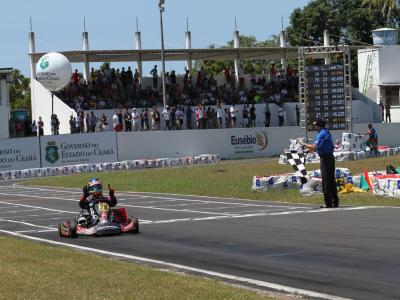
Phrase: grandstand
{"type": "Point", "coordinates": [103, 95]}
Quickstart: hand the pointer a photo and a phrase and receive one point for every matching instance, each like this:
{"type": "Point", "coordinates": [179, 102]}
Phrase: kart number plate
{"type": "Point", "coordinates": [103, 207]}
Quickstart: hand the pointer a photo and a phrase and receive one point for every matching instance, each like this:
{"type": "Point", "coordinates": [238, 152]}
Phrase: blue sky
{"type": "Point", "coordinates": [111, 25]}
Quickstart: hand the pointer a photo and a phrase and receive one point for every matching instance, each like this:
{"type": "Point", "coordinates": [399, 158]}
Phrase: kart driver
{"type": "Point", "coordinates": [95, 189]}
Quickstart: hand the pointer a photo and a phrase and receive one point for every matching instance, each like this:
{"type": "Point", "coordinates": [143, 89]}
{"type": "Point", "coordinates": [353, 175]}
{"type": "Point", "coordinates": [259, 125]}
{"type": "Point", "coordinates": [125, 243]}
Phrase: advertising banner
{"type": "Point", "coordinates": [75, 149]}
{"type": "Point", "coordinates": [19, 154]}
{"type": "Point", "coordinates": [248, 142]}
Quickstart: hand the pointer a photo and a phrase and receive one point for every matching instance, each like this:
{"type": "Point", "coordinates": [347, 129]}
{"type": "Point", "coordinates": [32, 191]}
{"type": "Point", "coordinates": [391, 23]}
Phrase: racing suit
{"type": "Point", "coordinates": [85, 203]}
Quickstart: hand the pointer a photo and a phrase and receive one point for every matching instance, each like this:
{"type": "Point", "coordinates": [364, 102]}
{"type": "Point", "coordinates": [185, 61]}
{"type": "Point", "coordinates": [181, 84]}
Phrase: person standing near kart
{"type": "Point", "coordinates": [372, 142]}
{"type": "Point", "coordinates": [324, 146]}
{"type": "Point", "coordinates": [94, 188]}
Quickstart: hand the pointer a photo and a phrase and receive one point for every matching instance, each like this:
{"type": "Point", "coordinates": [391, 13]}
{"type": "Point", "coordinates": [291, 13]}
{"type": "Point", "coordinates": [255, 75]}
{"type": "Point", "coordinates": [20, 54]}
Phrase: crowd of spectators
{"type": "Point", "coordinates": [110, 88]}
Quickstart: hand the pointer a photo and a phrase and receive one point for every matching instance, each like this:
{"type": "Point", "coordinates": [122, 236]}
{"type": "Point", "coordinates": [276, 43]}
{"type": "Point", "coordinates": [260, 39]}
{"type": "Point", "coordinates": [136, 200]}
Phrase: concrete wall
{"type": "Point", "coordinates": [389, 64]}
{"type": "Point", "coordinates": [228, 143]}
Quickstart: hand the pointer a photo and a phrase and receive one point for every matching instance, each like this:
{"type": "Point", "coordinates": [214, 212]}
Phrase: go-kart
{"type": "Point", "coordinates": [100, 220]}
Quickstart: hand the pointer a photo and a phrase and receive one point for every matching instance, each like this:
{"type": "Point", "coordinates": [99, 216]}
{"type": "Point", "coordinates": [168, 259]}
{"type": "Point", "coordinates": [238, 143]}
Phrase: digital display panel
{"type": "Point", "coordinates": [325, 96]}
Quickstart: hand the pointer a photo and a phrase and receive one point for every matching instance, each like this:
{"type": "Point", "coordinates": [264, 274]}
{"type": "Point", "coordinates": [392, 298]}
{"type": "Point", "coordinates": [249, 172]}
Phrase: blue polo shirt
{"type": "Point", "coordinates": [324, 142]}
{"type": "Point", "coordinates": [372, 134]}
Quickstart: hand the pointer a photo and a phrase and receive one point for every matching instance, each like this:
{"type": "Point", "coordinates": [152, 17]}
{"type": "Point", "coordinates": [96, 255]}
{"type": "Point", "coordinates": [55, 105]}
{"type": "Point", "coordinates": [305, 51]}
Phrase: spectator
{"type": "Point", "coordinates": [179, 118]}
{"type": "Point", "coordinates": [234, 112]}
{"type": "Point", "coordinates": [128, 121]}
{"type": "Point", "coordinates": [81, 118]}
{"type": "Point", "coordinates": [281, 115]}
{"type": "Point", "coordinates": [27, 125]}
{"type": "Point", "coordinates": [387, 111]}
{"type": "Point", "coordinates": [75, 77]}
{"type": "Point", "coordinates": [227, 118]}
{"type": "Point", "coordinates": [245, 113]}
{"type": "Point", "coordinates": [382, 111]}
{"type": "Point", "coordinates": [372, 142]}
{"type": "Point", "coordinates": [267, 114]}
{"type": "Point", "coordinates": [155, 119]}
{"type": "Point", "coordinates": [135, 119]}
{"type": "Point", "coordinates": [92, 122]}
{"type": "Point", "coordinates": [34, 128]}
{"type": "Point", "coordinates": [172, 122]}
{"type": "Point", "coordinates": [55, 125]}
{"type": "Point", "coordinates": [199, 117]}
{"type": "Point", "coordinates": [87, 121]}
{"type": "Point", "coordinates": [297, 115]}
{"type": "Point", "coordinates": [167, 116]}
{"type": "Point", "coordinates": [227, 75]}
{"type": "Point", "coordinates": [104, 122]}
{"type": "Point", "coordinates": [40, 126]}
{"type": "Point", "coordinates": [136, 76]}
{"type": "Point", "coordinates": [146, 119]}
{"type": "Point", "coordinates": [77, 124]}
{"type": "Point", "coordinates": [253, 116]}
{"type": "Point", "coordinates": [117, 126]}
{"type": "Point", "coordinates": [19, 128]}
{"type": "Point", "coordinates": [219, 114]}
{"type": "Point", "coordinates": [72, 124]}
{"type": "Point", "coordinates": [209, 118]}
{"type": "Point", "coordinates": [189, 113]}
{"type": "Point", "coordinates": [154, 74]}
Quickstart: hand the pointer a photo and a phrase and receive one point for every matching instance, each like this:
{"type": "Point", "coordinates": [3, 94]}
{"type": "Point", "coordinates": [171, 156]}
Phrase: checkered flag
{"type": "Point", "coordinates": [297, 160]}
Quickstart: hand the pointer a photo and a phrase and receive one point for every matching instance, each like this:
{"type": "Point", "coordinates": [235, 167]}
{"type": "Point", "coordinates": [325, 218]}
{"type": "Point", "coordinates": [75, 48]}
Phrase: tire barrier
{"type": "Point", "coordinates": [106, 167]}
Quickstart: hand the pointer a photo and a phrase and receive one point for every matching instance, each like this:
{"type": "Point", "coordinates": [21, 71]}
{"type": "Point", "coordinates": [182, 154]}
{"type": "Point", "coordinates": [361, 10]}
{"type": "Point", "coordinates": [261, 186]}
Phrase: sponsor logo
{"type": "Point", "coordinates": [52, 152]}
{"type": "Point", "coordinates": [259, 139]}
{"type": "Point", "coordinates": [44, 63]}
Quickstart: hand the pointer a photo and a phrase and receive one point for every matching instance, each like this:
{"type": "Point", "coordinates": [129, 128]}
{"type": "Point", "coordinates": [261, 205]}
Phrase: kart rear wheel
{"type": "Point", "coordinates": [72, 228]}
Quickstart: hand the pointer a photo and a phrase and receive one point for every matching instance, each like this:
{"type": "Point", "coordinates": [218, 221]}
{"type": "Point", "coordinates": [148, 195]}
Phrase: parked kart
{"type": "Point", "coordinates": [101, 221]}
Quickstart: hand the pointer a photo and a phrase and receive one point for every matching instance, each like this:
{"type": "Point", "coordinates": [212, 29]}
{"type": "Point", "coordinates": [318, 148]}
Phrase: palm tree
{"type": "Point", "coordinates": [388, 6]}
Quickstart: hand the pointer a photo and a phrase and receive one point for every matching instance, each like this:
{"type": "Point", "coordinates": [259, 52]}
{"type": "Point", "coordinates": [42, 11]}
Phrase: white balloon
{"type": "Point", "coordinates": [53, 71]}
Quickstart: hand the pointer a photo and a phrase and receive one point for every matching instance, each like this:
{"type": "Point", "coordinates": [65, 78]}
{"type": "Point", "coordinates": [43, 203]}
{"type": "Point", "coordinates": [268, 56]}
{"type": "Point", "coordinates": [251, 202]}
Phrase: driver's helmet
{"type": "Point", "coordinates": [95, 186]}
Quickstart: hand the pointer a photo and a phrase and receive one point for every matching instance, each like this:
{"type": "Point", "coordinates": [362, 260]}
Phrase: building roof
{"type": "Point", "coordinates": [269, 53]}
{"type": "Point", "coordinates": [6, 70]}
{"type": "Point", "coordinates": [384, 29]}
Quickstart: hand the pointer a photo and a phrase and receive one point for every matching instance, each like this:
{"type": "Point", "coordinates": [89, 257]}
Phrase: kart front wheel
{"type": "Point", "coordinates": [136, 221]}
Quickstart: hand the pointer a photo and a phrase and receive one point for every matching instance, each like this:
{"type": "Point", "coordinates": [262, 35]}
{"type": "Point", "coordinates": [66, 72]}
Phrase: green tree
{"type": "Point", "coordinates": [389, 8]}
{"type": "Point", "coordinates": [20, 92]}
{"type": "Point", "coordinates": [348, 21]}
{"type": "Point", "coordinates": [249, 66]}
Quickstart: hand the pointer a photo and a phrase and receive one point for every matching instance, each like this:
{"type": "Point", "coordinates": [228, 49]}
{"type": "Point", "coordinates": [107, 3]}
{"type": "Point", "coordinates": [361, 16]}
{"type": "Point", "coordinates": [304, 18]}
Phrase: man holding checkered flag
{"type": "Point", "coordinates": [324, 146]}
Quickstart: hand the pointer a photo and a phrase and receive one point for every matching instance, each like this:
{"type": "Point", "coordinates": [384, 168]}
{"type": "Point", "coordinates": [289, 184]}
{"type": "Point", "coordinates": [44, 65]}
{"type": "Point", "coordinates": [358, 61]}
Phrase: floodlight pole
{"type": "Point", "coordinates": [161, 6]}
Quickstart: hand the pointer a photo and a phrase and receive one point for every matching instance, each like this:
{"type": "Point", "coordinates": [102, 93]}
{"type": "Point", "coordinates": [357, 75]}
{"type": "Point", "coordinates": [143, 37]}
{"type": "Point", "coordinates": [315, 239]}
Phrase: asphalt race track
{"type": "Point", "coordinates": [349, 252]}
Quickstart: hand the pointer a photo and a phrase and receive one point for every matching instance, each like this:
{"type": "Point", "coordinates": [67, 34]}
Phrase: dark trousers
{"type": "Point", "coordinates": [328, 180]}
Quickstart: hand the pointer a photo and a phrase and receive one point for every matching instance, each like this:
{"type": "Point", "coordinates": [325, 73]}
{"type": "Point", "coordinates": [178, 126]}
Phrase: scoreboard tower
{"type": "Point", "coordinates": [325, 87]}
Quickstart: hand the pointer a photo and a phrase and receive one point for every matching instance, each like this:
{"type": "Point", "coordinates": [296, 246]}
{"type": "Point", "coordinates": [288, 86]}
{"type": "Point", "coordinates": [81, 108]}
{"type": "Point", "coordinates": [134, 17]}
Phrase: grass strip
{"type": "Point", "coordinates": [226, 179]}
{"type": "Point", "coordinates": [32, 270]}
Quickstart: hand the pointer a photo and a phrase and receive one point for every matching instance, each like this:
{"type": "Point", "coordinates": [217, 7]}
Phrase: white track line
{"type": "Point", "coordinates": [17, 211]}
{"type": "Point", "coordinates": [25, 223]}
{"type": "Point", "coordinates": [253, 282]}
{"type": "Point", "coordinates": [179, 210]}
{"type": "Point", "coordinates": [135, 206]}
{"type": "Point", "coordinates": [40, 207]}
{"type": "Point", "coordinates": [152, 196]}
